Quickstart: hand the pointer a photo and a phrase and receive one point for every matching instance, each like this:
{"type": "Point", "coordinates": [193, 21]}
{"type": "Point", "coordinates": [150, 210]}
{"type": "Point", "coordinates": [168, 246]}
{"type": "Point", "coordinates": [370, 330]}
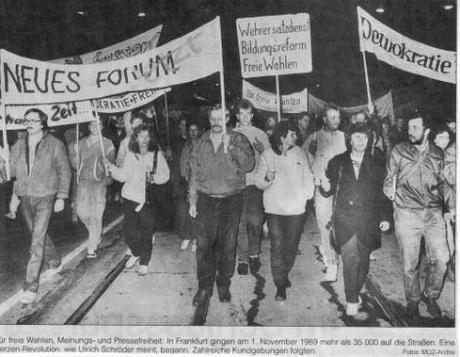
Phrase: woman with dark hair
{"type": "Point", "coordinates": [360, 210]}
{"type": "Point", "coordinates": [287, 181]}
{"type": "Point", "coordinates": [142, 166]}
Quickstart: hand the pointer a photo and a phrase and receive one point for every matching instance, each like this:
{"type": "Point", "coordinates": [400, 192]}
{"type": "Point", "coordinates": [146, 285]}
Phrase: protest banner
{"type": "Point", "coordinates": [128, 48]}
{"type": "Point", "coordinates": [130, 101]}
{"type": "Point", "coordinates": [404, 53]}
{"type": "Point", "coordinates": [274, 45]}
{"type": "Point", "coordinates": [132, 47]}
{"type": "Point", "coordinates": [290, 103]}
{"type": "Point", "coordinates": [58, 114]}
{"type": "Point", "coordinates": [193, 56]}
{"type": "Point", "coordinates": [383, 105]}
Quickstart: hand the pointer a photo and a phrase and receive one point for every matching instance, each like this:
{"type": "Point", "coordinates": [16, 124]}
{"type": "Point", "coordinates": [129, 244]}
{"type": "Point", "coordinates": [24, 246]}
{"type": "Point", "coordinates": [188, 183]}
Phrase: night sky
{"type": "Point", "coordinates": [48, 29]}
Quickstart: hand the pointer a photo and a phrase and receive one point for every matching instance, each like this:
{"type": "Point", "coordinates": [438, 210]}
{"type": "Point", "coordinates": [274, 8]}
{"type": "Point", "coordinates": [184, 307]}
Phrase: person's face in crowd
{"type": "Point", "coordinates": [332, 119]}
{"type": "Point", "coordinates": [271, 122]}
{"type": "Point", "coordinates": [442, 139]}
{"type": "Point", "coordinates": [400, 123]}
{"type": "Point", "coordinates": [269, 132]}
{"type": "Point", "coordinates": [183, 128]}
{"type": "Point", "coordinates": [358, 142]}
{"type": "Point", "coordinates": [93, 129]}
{"type": "Point", "coordinates": [194, 132]}
{"type": "Point", "coordinates": [136, 122]}
{"type": "Point", "coordinates": [290, 139]}
{"type": "Point", "coordinates": [216, 121]}
{"type": "Point", "coordinates": [452, 126]}
{"type": "Point", "coordinates": [416, 131]}
{"type": "Point", "coordinates": [34, 124]}
{"type": "Point", "coordinates": [143, 139]}
{"type": "Point", "coordinates": [304, 122]}
{"type": "Point", "coordinates": [244, 116]}
{"type": "Point", "coordinates": [358, 118]}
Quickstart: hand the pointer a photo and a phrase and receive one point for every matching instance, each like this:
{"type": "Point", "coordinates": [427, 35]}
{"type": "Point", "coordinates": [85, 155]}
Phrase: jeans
{"type": "Point", "coordinates": [410, 226]}
{"type": "Point", "coordinates": [138, 228]}
{"type": "Point", "coordinates": [250, 226]}
{"type": "Point", "coordinates": [186, 226]}
{"type": "Point", "coordinates": [284, 233]}
{"type": "Point", "coordinates": [90, 206]}
{"type": "Point", "coordinates": [323, 209]}
{"type": "Point", "coordinates": [216, 246]}
{"type": "Point", "coordinates": [37, 212]}
{"type": "Point", "coordinates": [355, 259]}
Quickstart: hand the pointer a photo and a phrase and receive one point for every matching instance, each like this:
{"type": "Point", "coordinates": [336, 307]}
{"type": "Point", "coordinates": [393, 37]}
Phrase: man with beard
{"type": "Point", "coordinates": [415, 184]}
{"type": "Point", "coordinates": [219, 163]}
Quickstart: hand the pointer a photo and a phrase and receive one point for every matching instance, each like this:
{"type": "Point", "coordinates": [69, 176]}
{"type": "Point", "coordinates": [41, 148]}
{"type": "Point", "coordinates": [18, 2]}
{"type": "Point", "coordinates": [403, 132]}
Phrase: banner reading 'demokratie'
{"type": "Point", "coordinates": [290, 103]}
{"type": "Point", "coordinates": [132, 47]}
{"type": "Point", "coordinates": [193, 56]}
{"type": "Point", "coordinates": [58, 114]}
{"type": "Point", "coordinates": [402, 52]}
{"type": "Point", "coordinates": [274, 45]}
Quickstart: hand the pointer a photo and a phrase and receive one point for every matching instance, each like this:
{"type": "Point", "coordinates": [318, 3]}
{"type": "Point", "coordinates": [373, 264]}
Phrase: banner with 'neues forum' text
{"type": "Point", "coordinates": [193, 56]}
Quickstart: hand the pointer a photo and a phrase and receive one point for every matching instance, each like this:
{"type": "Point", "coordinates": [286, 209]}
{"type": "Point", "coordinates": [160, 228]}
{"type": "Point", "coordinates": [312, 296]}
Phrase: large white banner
{"type": "Point", "coordinates": [402, 52]}
{"type": "Point", "coordinates": [58, 114]}
{"type": "Point", "coordinates": [290, 103]}
{"type": "Point", "coordinates": [274, 45]}
{"type": "Point", "coordinates": [132, 47]}
{"type": "Point", "coordinates": [193, 56]}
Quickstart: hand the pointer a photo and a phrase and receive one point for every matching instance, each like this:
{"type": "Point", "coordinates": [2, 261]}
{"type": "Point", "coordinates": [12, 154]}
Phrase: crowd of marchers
{"type": "Point", "coordinates": [224, 189]}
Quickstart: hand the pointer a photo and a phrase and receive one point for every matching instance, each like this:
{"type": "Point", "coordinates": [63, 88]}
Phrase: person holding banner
{"type": "Point", "coordinates": [142, 166]}
{"type": "Point", "coordinates": [415, 184]}
{"type": "Point", "coordinates": [320, 147]}
{"type": "Point", "coordinates": [252, 213]}
{"type": "Point", "coordinates": [42, 171]}
{"type": "Point", "coordinates": [218, 167]}
{"type": "Point", "coordinates": [92, 183]}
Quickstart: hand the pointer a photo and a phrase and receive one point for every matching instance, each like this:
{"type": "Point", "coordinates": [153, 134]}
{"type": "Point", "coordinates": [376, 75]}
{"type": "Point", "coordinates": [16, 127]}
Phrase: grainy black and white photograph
{"type": "Point", "coordinates": [234, 163]}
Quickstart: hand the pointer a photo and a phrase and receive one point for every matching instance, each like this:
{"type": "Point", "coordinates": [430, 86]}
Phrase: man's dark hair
{"type": "Point", "coordinates": [134, 146]}
{"type": "Point", "coordinates": [244, 104]}
{"type": "Point", "coordinates": [42, 115]}
{"type": "Point", "coordinates": [426, 118]}
{"type": "Point", "coordinates": [216, 107]}
{"type": "Point", "coordinates": [281, 130]}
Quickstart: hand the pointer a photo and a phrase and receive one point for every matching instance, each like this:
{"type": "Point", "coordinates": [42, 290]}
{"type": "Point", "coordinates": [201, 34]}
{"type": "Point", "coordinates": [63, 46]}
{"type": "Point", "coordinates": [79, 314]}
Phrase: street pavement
{"type": "Point", "coordinates": [164, 295]}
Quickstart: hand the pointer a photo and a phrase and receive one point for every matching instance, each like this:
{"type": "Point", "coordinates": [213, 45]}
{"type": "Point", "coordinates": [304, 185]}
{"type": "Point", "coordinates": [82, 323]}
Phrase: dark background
{"type": "Point", "coordinates": [49, 29]}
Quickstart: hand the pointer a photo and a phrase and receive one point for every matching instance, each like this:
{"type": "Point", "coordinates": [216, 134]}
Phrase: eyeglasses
{"type": "Point", "coordinates": [27, 121]}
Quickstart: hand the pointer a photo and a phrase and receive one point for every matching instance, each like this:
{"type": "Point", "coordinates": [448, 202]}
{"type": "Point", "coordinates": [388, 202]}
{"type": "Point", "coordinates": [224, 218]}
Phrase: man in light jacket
{"type": "Point", "coordinates": [41, 167]}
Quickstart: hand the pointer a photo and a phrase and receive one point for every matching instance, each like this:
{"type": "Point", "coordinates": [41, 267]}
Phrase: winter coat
{"type": "Point", "coordinates": [360, 203]}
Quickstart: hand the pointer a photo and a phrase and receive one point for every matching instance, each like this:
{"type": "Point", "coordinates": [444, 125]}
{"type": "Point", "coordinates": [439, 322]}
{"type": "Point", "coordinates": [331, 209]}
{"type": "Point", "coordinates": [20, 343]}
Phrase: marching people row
{"type": "Point", "coordinates": [363, 180]}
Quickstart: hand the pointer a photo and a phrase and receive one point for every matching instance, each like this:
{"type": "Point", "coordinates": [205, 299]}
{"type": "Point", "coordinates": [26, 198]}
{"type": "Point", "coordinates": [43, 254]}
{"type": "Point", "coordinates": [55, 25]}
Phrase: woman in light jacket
{"type": "Point", "coordinates": [142, 166]}
{"type": "Point", "coordinates": [287, 181]}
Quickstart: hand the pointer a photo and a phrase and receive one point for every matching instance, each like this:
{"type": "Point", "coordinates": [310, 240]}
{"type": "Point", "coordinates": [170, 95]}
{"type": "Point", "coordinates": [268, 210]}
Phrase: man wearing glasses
{"type": "Point", "coordinates": [218, 165]}
{"type": "Point", "coordinates": [40, 165]}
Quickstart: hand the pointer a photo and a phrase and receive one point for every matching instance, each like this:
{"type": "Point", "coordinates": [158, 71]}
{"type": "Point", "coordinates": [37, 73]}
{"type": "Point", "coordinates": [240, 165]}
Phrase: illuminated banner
{"type": "Point", "coordinates": [290, 103]}
{"type": "Point", "coordinates": [129, 48]}
{"type": "Point", "coordinates": [58, 114]}
{"type": "Point", "coordinates": [399, 51]}
{"type": "Point", "coordinates": [274, 45]}
{"type": "Point", "coordinates": [193, 56]}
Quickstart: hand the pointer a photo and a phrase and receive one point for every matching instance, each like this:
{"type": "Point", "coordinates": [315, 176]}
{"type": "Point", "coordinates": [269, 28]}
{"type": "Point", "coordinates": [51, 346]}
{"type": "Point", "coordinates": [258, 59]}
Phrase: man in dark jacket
{"type": "Point", "coordinates": [415, 184]}
{"type": "Point", "coordinates": [218, 166]}
{"type": "Point", "coordinates": [42, 171]}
